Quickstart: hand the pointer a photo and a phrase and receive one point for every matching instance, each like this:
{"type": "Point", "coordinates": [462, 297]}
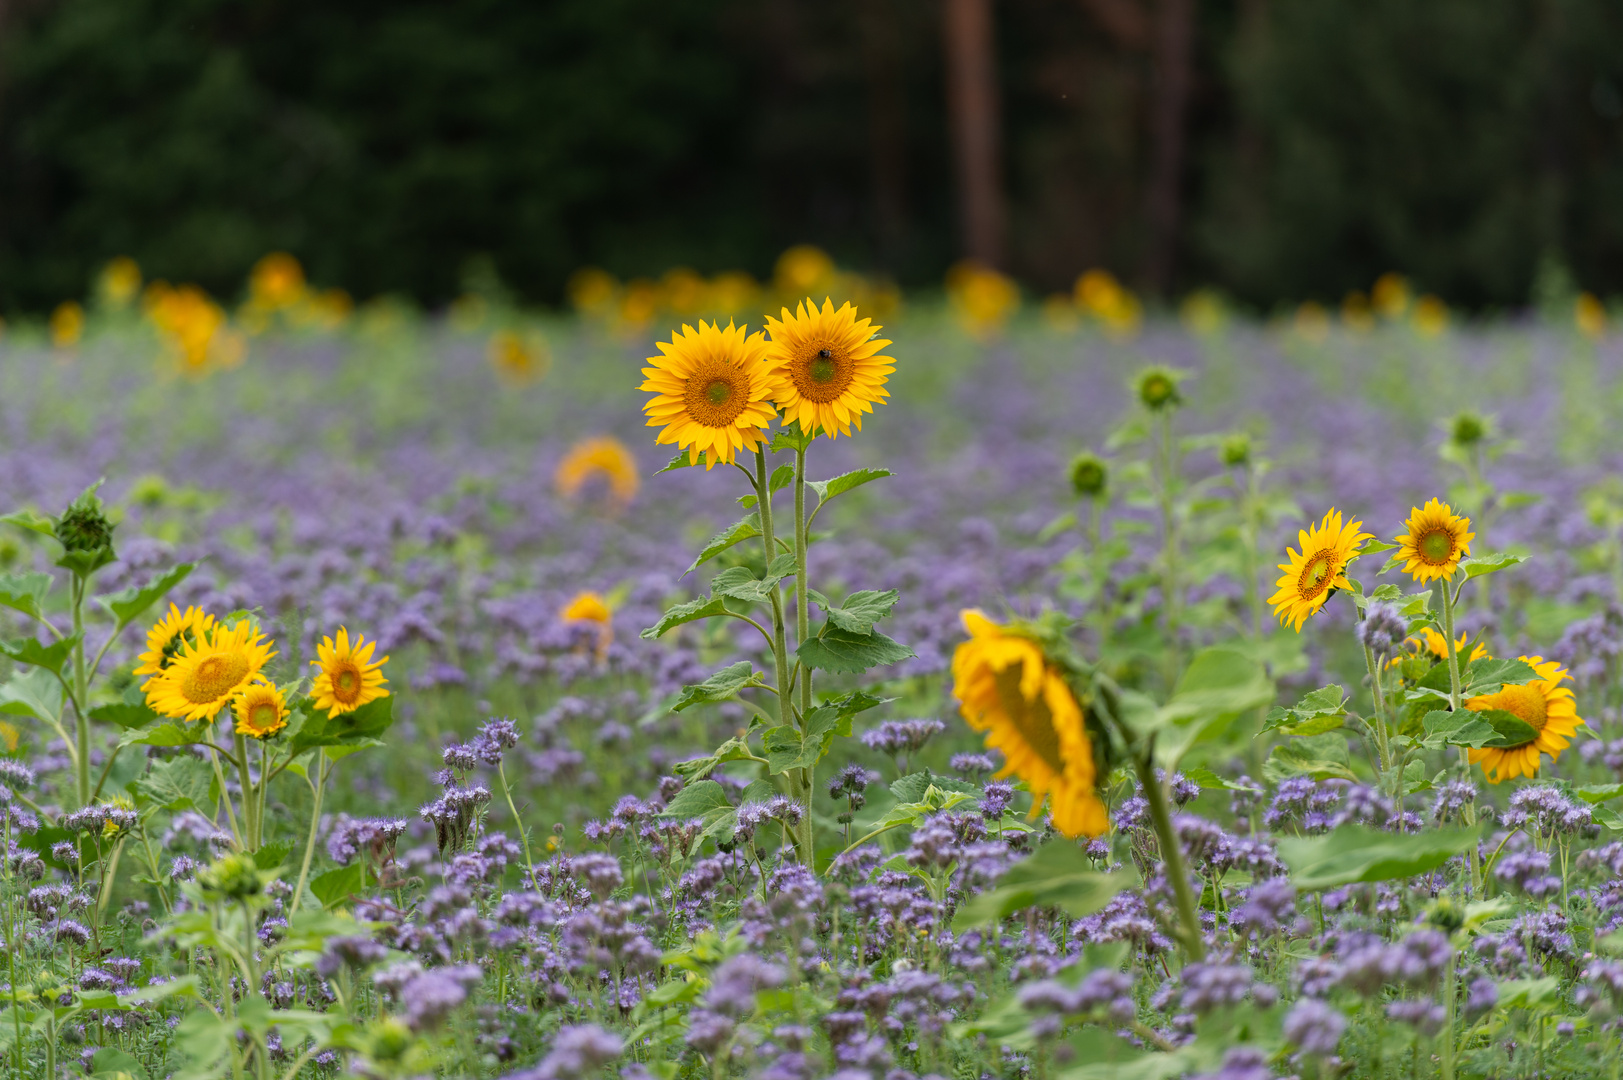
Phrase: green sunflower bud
{"type": "Point", "coordinates": [83, 526]}
{"type": "Point", "coordinates": [1237, 450]}
{"type": "Point", "coordinates": [233, 875]}
{"type": "Point", "coordinates": [1158, 389]}
{"type": "Point", "coordinates": [1445, 914]}
{"type": "Point", "coordinates": [388, 1040]}
{"type": "Point", "coordinates": [1088, 475]}
{"type": "Point", "coordinates": [1469, 429]}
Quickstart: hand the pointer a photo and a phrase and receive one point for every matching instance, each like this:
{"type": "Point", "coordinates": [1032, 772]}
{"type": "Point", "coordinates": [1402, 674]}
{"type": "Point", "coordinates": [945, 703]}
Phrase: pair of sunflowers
{"type": "Point", "coordinates": [716, 390]}
{"type": "Point", "coordinates": [1430, 550]}
{"type": "Point", "coordinates": [197, 666]}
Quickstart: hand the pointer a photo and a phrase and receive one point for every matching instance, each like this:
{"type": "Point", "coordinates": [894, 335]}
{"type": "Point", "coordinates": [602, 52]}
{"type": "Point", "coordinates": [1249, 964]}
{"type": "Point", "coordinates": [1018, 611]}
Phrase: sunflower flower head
{"type": "Point", "coordinates": [169, 634]}
{"type": "Point", "coordinates": [348, 677]}
{"type": "Point", "coordinates": [830, 367]}
{"type": "Point", "coordinates": [206, 674]}
{"type": "Point", "coordinates": [1436, 540]}
{"type": "Point", "coordinates": [601, 458]}
{"type": "Point", "coordinates": [712, 393]}
{"type": "Point", "coordinates": [1544, 704]}
{"type": "Point", "coordinates": [261, 711]}
{"type": "Point", "coordinates": [1318, 568]}
{"type": "Point", "coordinates": [1010, 690]}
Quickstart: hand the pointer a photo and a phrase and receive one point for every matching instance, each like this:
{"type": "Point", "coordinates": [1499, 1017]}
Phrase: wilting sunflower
{"type": "Point", "coordinates": [168, 634]}
{"type": "Point", "coordinates": [601, 457]}
{"type": "Point", "coordinates": [261, 711]}
{"type": "Point", "coordinates": [1543, 703]}
{"type": "Point", "coordinates": [206, 674]}
{"type": "Point", "coordinates": [349, 677]}
{"type": "Point", "coordinates": [831, 367]}
{"type": "Point", "coordinates": [1320, 566]}
{"type": "Point", "coordinates": [1436, 540]}
{"type": "Point", "coordinates": [712, 392]}
{"type": "Point", "coordinates": [1007, 688]}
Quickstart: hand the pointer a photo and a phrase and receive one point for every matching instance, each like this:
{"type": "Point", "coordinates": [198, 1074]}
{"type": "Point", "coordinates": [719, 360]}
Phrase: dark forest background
{"type": "Point", "coordinates": [1279, 149]}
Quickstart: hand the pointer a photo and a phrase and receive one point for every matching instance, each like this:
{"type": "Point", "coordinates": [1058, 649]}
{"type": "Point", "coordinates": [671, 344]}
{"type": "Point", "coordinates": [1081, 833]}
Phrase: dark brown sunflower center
{"type": "Point", "coordinates": [214, 678]}
{"type": "Point", "coordinates": [822, 372]}
{"type": "Point", "coordinates": [716, 393]}
{"type": "Point", "coordinates": [1436, 546]}
{"type": "Point", "coordinates": [1315, 573]}
{"type": "Point", "coordinates": [1523, 702]}
{"type": "Point", "coordinates": [1031, 718]}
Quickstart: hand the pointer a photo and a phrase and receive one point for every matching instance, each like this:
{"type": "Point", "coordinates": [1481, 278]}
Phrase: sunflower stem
{"type": "Point", "coordinates": [315, 822]}
{"type": "Point", "coordinates": [1171, 852]}
{"type": "Point", "coordinates": [1380, 712]}
{"type": "Point", "coordinates": [1169, 540]}
{"type": "Point", "coordinates": [250, 822]}
{"type": "Point", "coordinates": [81, 683]}
{"type": "Point", "coordinates": [802, 632]}
{"type": "Point", "coordinates": [1453, 653]}
{"type": "Point", "coordinates": [780, 650]}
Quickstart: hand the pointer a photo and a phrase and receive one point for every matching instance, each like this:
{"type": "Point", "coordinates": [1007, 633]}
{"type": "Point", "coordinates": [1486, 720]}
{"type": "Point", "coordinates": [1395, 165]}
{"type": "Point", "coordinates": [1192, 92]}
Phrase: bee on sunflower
{"type": "Point", "coordinates": [1318, 569]}
{"type": "Point", "coordinates": [829, 366]}
{"type": "Point", "coordinates": [1545, 705]}
{"type": "Point", "coordinates": [1007, 688]}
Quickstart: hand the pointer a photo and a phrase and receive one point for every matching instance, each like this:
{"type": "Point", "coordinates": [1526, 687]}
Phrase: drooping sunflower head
{"type": "Point", "coordinates": [1544, 704]}
{"type": "Point", "coordinates": [1008, 689]}
{"type": "Point", "coordinates": [600, 458]}
{"type": "Point", "coordinates": [1436, 540]}
{"type": "Point", "coordinates": [830, 367]}
{"type": "Point", "coordinates": [169, 634]}
{"type": "Point", "coordinates": [348, 677]}
{"type": "Point", "coordinates": [712, 393]}
{"type": "Point", "coordinates": [1319, 567]}
{"type": "Point", "coordinates": [207, 673]}
{"type": "Point", "coordinates": [261, 711]}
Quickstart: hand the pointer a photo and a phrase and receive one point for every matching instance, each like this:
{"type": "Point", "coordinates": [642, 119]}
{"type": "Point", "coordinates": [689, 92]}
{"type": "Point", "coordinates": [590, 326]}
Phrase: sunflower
{"type": "Point", "coordinates": [1430, 641]}
{"type": "Point", "coordinates": [1543, 703]}
{"type": "Point", "coordinates": [349, 677]}
{"type": "Point", "coordinates": [207, 673]}
{"type": "Point", "coordinates": [1436, 539]}
{"type": "Point", "coordinates": [712, 393]}
{"type": "Point", "coordinates": [1320, 566]}
{"type": "Point", "coordinates": [590, 607]}
{"type": "Point", "coordinates": [831, 367]}
{"type": "Point", "coordinates": [168, 634]}
{"type": "Point", "coordinates": [603, 456]}
{"type": "Point", "coordinates": [1008, 689]}
{"type": "Point", "coordinates": [261, 711]}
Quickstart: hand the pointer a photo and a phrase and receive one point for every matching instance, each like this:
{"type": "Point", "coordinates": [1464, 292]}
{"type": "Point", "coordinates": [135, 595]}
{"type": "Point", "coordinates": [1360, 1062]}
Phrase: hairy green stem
{"type": "Point", "coordinates": [250, 815]}
{"type": "Point", "coordinates": [518, 822]}
{"type": "Point", "coordinates": [1380, 712]}
{"type": "Point", "coordinates": [808, 781]}
{"type": "Point", "coordinates": [319, 788]}
{"type": "Point", "coordinates": [1171, 852]}
{"type": "Point", "coordinates": [780, 649]}
{"type": "Point", "coordinates": [81, 707]}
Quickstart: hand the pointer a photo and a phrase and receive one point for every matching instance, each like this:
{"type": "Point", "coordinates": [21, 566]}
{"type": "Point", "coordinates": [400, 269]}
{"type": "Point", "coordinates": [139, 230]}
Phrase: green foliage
{"type": "Point", "coordinates": [1058, 874]}
{"type": "Point", "coordinates": [1354, 853]}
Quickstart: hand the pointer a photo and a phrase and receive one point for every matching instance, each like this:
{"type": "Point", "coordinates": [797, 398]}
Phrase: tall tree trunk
{"type": "Point", "coordinates": [887, 127]}
{"type": "Point", "coordinates": [1174, 43]}
{"type": "Point", "coordinates": [973, 105]}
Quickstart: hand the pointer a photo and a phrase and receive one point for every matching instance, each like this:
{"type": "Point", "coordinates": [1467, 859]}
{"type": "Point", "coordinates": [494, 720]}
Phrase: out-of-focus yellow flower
{"type": "Point", "coordinates": [803, 269]}
{"type": "Point", "coordinates": [1204, 312]}
{"type": "Point", "coordinates": [1312, 322]}
{"type": "Point", "coordinates": [590, 607]}
{"type": "Point", "coordinates": [593, 291]}
{"type": "Point", "coordinates": [519, 359]}
{"type": "Point", "coordinates": [685, 292]}
{"type": "Point", "coordinates": [1589, 315]}
{"type": "Point", "coordinates": [10, 736]}
{"type": "Point", "coordinates": [604, 457]}
{"type": "Point", "coordinates": [193, 328]}
{"type": "Point", "coordinates": [119, 281]}
{"type": "Point", "coordinates": [67, 324]}
{"type": "Point", "coordinates": [1390, 295]}
{"type": "Point", "coordinates": [638, 305]}
{"type": "Point", "coordinates": [733, 292]}
{"type": "Point", "coordinates": [276, 282]}
{"type": "Point", "coordinates": [983, 298]}
{"type": "Point", "coordinates": [1060, 314]}
{"type": "Point", "coordinates": [1104, 298]}
{"type": "Point", "coordinates": [1430, 316]}
{"type": "Point", "coordinates": [1355, 313]}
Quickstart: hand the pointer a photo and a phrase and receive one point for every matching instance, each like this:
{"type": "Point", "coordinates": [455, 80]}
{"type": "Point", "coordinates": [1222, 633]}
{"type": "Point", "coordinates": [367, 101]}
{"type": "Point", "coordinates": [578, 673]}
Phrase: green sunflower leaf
{"type": "Point", "coordinates": [837, 650]}
{"type": "Point", "coordinates": [1323, 757]}
{"type": "Point", "coordinates": [1209, 780]}
{"type": "Point", "coordinates": [839, 485]}
{"type": "Point", "coordinates": [178, 783]}
{"type": "Point", "coordinates": [1464, 728]}
{"type": "Point", "coordinates": [1598, 793]}
{"type": "Point", "coordinates": [33, 522]}
{"type": "Point", "coordinates": [25, 592]}
{"type": "Point", "coordinates": [127, 605]}
{"type": "Point", "coordinates": [790, 748]}
{"type": "Point", "coordinates": [724, 684]}
{"type": "Point", "coordinates": [735, 533]}
{"type": "Point", "coordinates": [858, 612]}
{"type": "Point", "coordinates": [700, 799]}
{"type": "Point", "coordinates": [123, 714]}
{"type": "Point", "coordinates": [165, 732]}
{"type": "Point", "coordinates": [1320, 710]}
{"type": "Point", "coordinates": [1056, 874]}
{"type": "Point", "coordinates": [31, 651]}
{"type": "Point", "coordinates": [35, 692]}
{"type": "Point", "coordinates": [693, 610]}
{"type": "Point", "coordinates": [740, 582]}
{"type": "Point", "coordinates": [1355, 853]}
{"type": "Point", "coordinates": [680, 461]}
{"type": "Point", "coordinates": [1487, 675]}
{"type": "Point", "coordinates": [1511, 730]}
{"type": "Point", "coordinates": [1490, 563]}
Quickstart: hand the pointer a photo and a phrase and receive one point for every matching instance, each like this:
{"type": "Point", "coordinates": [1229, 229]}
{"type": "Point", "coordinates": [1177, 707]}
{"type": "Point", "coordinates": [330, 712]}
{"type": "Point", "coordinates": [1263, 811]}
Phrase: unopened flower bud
{"type": "Point", "coordinates": [1088, 475]}
{"type": "Point", "coordinates": [1158, 390]}
{"type": "Point", "coordinates": [1469, 429]}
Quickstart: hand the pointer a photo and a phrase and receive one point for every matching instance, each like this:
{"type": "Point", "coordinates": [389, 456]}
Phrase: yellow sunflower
{"type": "Point", "coordinates": [1430, 641]}
{"type": "Point", "coordinates": [1436, 540]}
{"type": "Point", "coordinates": [206, 674]}
{"type": "Point", "coordinates": [168, 634]}
{"type": "Point", "coordinates": [1008, 689]}
{"type": "Point", "coordinates": [1543, 703]}
{"type": "Point", "coordinates": [831, 367]}
{"type": "Point", "coordinates": [590, 607]}
{"type": "Point", "coordinates": [712, 392]}
{"type": "Point", "coordinates": [1320, 566]}
{"type": "Point", "coordinates": [349, 677]}
{"type": "Point", "coordinates": [261, 711]}
{"type": "Point", "coordinates": [600, 457]}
